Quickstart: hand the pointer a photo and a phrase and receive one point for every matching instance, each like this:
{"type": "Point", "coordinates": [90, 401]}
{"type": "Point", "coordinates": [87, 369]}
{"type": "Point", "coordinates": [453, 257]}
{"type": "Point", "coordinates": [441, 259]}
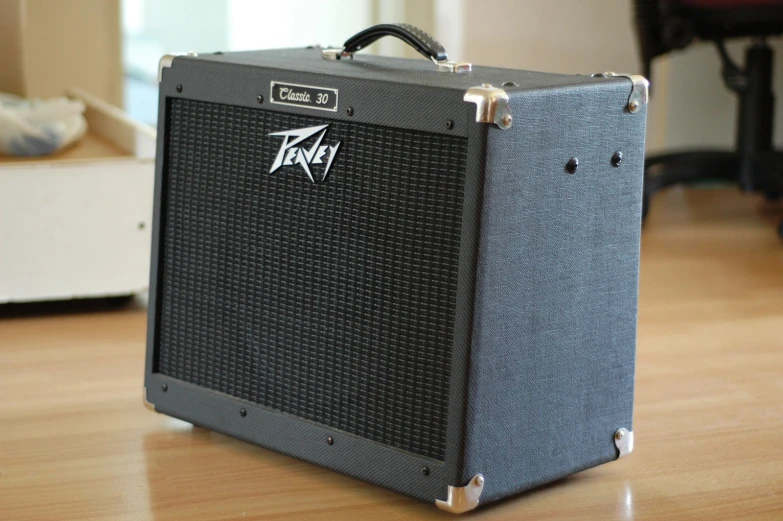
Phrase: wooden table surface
{"type": "Point", "coordinates": [76, 442]}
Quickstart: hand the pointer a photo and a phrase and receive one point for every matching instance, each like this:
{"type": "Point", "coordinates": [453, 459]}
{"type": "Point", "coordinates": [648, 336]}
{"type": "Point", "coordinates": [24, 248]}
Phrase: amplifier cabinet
{"type": "Point", "coordinates": [420, 275]}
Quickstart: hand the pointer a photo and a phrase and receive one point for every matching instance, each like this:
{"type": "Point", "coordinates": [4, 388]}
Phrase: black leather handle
{"type": "Point", "coordinates": [413, 36]}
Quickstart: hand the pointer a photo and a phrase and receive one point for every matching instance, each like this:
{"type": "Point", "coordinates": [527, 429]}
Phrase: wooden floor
{"type": "Point", "coordinates": [76, 442]}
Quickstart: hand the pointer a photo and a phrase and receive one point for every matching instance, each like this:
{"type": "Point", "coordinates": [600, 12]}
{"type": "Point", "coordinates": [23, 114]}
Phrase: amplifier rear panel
{"type": "Point", "coordinates": [333, 301]}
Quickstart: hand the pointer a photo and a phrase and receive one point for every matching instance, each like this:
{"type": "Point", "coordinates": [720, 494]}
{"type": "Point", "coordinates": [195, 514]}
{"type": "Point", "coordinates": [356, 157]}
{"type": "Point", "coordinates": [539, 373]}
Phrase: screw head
{"type": "Point", "coordinates": [478, 480]}
{"type": "Point", "coordinates": [164, 387]}
{"type": "Point", "coordinates": [349, 111]}
{"type": "Point", "coordinates": [330, 441]}
{"type": "Point", "coordinates": [260, 99]}
{"type": "Point", "coordinates": [617, 158]}
{"type": "Point", "coordinates": [179, 88]}
{"type": "Point", "coordinates": [242, 412]}
{"type": "Point", "coordinates": [572, 165]}
{"type": "Point", "coordinates": [507, 119]}
{"type": "Point", "coordinates": [633, 106]}
{"type": "Point", "coordinates": [449, 124]}
{"type": "Point", "coordinates": [425, 471]}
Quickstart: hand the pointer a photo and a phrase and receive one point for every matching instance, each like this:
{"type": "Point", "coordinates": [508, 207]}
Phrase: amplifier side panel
{"type": "Point", "coordinates": [552, 367]}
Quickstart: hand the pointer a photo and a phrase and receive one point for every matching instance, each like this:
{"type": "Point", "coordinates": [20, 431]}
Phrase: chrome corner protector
{"type": "Point", "coordinates": [454, 67]}
{"type": "Point", "coordinates": [640, 89]}
{"type": "Point", "coordinates": [335, 53]}
{"type": "Point", "coordinates": [148, 405]}
{"type": "Point", "coordinates": [463, 499]}
{"type": "Point", "coordinates": [623, 440]}
{"type": "Point", "coordinates": [491, 105]}
{"type": "Point", "coordinates": [167, 59]}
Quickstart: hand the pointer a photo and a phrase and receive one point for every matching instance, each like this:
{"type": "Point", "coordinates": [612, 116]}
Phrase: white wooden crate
{"type": "Point", "coordinates": [77, 224]}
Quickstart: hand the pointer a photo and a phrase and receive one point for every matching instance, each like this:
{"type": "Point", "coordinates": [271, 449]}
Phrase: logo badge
{"type": "Point", "coordinates": [309, 96]}
{"type": "Point", "coordinates": [291, 153]}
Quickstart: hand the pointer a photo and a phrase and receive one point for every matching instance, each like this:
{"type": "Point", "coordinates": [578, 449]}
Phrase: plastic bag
{"type": "Point", "coordinates": [39, 127]}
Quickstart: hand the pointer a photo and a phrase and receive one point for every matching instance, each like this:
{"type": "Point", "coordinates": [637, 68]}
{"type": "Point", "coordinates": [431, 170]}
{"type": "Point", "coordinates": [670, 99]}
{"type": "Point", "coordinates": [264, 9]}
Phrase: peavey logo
{"type": "Point", "coordinates": [317, 154]}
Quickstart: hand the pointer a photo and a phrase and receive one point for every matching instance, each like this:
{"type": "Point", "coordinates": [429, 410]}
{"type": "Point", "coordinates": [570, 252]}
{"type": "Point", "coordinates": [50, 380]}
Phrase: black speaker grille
{"type": "Point", "coordinates": [332, 301]}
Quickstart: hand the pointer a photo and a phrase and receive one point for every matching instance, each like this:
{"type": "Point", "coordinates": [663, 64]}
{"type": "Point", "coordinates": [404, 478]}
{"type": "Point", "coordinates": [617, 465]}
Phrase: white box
{"type": "Point", "coordinates": [78, 224]}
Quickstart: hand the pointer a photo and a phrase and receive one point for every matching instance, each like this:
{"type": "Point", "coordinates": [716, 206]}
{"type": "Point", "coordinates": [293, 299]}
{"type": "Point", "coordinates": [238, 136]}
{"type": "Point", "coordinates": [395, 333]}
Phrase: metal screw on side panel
{"type": "Point", "coordinates": [617, 158]}
{"type": "Point", "coordinates": [449, 124]}
{"type": "Point", "coordinates": [572, 165]}
{"type": "Point", "coordinates": [242, 412]}
{"type": "Point", "coordinates": [330, 441]}
{"type": "Point", "coordinates": [260, 99]}
{"type": "Point", "coordinates": [479, 480]}
{"type": "Point", "coordinates": [179, 88]}
{"type": "Point", "coordinates": [349, 111]}
{"type": "Point", "coordinates": [425, 471]}
{"type": "Point", "coordinates": [164, 388]}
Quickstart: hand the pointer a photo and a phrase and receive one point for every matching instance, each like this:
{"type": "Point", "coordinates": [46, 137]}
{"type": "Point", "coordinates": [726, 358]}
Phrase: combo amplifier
{"type": "Point", "coordinates": [419, 273]}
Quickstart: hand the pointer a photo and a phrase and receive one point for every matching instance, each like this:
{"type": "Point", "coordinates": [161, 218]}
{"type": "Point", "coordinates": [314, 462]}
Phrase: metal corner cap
{"type": "Point", "coordinates": [640, 88]}
{"type": "Point", "coordinates": [491, 105]}
{"type": "Point", "coordinates": [463, 499]}
{"type": "Point", "coordinates": [623, 440]}
{"type": "Point", "coordinates": [165, 61]}
{"type": "Point", "coordinates": [640, 92]}
{"type": "Point", "coordinates": [148, 405]}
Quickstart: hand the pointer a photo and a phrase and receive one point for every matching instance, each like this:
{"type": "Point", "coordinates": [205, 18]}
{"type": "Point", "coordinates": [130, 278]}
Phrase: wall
{"type": "Point", "coordinates": [184, 25]}
{"type": "Point", "coordinates": [155, 27]}
{"type": "Point", "coordinates": [294, 23]}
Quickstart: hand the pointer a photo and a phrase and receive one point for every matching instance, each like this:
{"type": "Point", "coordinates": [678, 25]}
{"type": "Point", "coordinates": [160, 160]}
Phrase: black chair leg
{"type": "Point", "coordinates": [686, 168]}
{"type": "Point", "coordinates": [754, 167]}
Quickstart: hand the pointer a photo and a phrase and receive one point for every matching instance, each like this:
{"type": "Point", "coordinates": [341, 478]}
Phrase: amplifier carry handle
{"type": "Point", "coordinates": [425, 44]}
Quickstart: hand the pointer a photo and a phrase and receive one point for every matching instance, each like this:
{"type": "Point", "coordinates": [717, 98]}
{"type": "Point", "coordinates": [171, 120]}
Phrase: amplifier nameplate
{"type": "Point", "coordinates": [309, 96]}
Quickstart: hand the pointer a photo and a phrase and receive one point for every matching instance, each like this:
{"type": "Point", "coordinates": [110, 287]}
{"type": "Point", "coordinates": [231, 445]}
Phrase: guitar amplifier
{"type": "Point", "coordinates": [419, 273]}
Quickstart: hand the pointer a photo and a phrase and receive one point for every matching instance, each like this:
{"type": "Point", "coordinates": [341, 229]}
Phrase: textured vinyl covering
{"type": "Point", "coordinates": [552, 369]}
{"type": "Point", "coordinates": [330, 301]}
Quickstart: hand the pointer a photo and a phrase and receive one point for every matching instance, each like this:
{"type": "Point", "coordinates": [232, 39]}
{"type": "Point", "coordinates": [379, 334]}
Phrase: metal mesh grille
{"type": "Point", "coordinates": [331, 301]}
